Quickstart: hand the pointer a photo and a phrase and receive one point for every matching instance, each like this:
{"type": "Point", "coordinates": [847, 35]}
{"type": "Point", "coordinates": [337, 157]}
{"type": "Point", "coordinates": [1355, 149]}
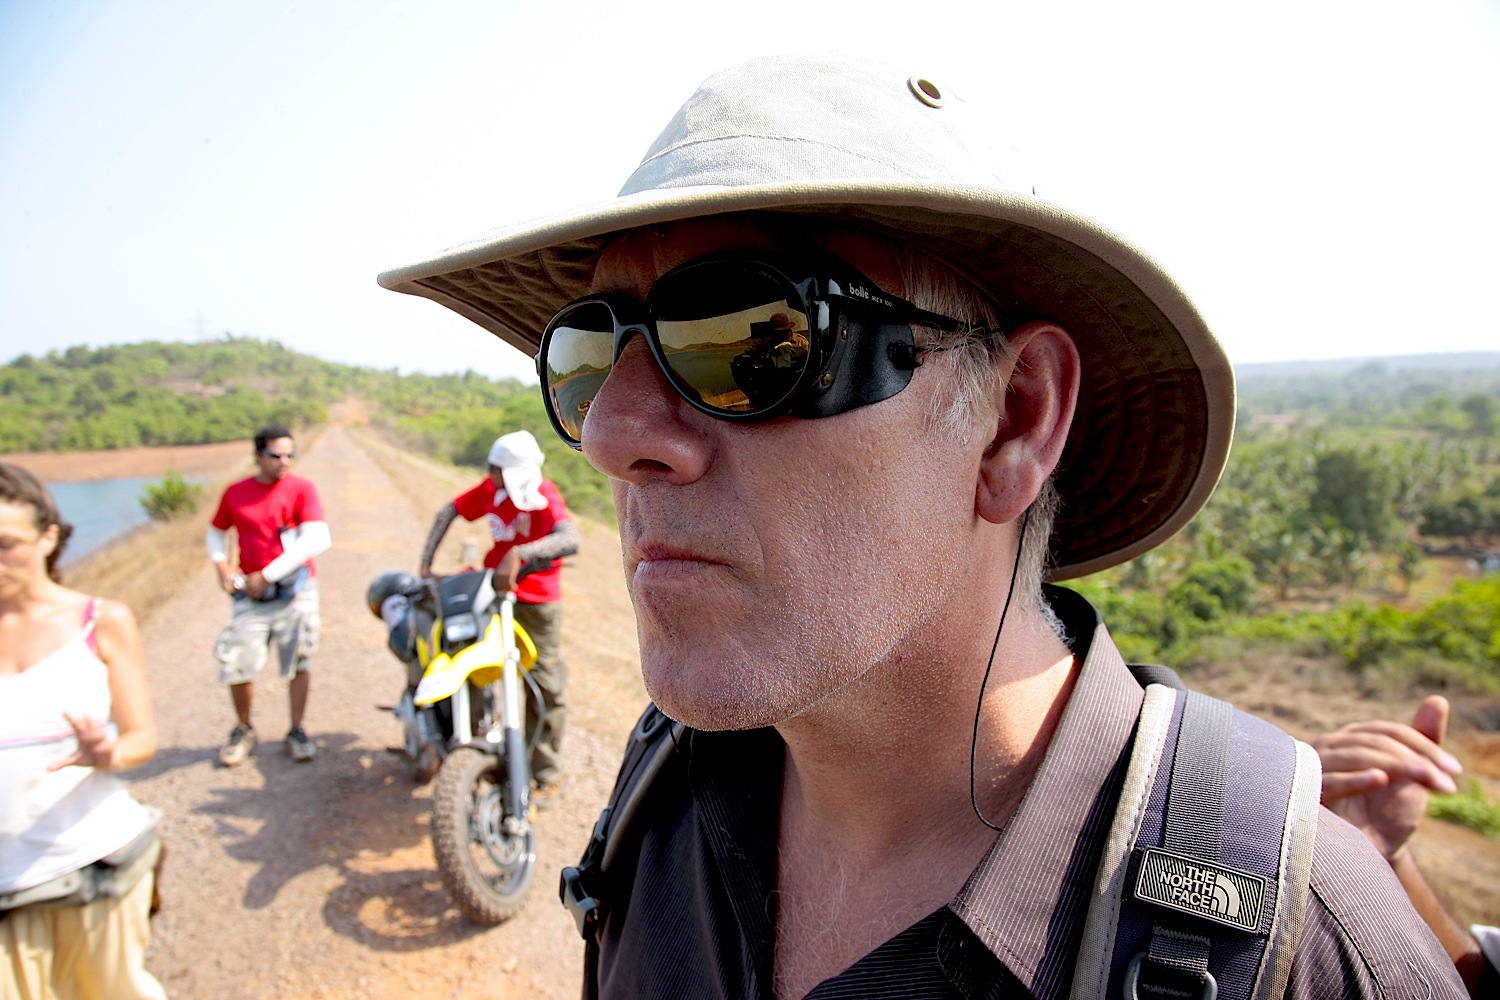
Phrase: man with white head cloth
{"type": "Point", "coordinates": [895, 754]}
{"type": "Point", "coordinates": [532, 532]}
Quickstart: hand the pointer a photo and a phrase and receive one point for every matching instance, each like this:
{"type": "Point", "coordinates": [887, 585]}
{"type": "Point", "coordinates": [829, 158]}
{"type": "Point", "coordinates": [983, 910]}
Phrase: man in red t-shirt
{"type": "Point", "coordinates": [531, 528]}
{"type": "Point", "coordinates": [278, 523]}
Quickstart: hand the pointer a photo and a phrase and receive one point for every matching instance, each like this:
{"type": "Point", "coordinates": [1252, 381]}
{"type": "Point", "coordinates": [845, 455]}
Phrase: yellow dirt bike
{"type": "Point", "coordinates": [462, 713]}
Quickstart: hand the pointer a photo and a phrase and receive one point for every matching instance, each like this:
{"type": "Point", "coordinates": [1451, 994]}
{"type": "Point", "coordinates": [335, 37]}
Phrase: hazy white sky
{"type": "Point", "coordinates": [1318, 174]}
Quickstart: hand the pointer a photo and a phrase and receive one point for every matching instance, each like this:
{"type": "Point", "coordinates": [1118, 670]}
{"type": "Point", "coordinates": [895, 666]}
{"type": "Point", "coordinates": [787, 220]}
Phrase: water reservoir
{"type": "Point", "coordinates": [100, 511]}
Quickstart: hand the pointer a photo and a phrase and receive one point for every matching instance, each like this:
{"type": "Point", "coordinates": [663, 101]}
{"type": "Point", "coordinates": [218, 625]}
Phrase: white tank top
{"type": "Point", "coordinates": [52, 822]}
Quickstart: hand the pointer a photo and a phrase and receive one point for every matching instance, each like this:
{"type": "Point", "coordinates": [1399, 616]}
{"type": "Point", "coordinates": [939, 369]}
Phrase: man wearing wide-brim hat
{"type": "Point", "coordinates": [896, 755]}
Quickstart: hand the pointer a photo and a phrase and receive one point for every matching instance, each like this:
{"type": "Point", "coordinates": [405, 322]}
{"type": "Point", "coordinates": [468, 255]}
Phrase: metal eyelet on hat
{"type": "Point", "coordinates": [926, 91]}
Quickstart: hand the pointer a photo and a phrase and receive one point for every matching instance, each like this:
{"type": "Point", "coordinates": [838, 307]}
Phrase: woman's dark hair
{"type": "Point", "coordinates": [267, 434]}
{"type": "Point", "coordinates": [21, 487]}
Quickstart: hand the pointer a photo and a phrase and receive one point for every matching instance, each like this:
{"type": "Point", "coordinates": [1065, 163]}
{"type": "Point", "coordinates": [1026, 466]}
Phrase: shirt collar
{"type": "Point", "coordinates": [1028, 898]}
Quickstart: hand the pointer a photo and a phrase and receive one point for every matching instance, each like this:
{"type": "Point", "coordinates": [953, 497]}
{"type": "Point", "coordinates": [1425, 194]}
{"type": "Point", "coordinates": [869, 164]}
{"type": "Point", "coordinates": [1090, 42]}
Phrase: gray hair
{"type": "Point", "coordinates": [975, 356]}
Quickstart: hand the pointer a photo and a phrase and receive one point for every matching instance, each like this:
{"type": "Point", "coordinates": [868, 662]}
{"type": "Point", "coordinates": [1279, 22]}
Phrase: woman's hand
{"type": "Point", "coordinates": [96, 745]}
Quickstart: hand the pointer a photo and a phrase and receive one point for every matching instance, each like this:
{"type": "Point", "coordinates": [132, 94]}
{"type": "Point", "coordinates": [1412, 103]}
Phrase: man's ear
{"type": "Point", "coordinates": [1034, 410]}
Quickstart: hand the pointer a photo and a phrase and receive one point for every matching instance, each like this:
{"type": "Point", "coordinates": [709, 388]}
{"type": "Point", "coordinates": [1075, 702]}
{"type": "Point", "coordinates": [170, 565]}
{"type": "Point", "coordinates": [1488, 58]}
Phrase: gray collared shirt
{"type": "Point", "coordinates": [696, 917]}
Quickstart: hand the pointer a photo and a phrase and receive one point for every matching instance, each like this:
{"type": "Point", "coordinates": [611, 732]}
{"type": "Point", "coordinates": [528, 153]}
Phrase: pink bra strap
{"type": "Point", "coordinates": [88, 626]}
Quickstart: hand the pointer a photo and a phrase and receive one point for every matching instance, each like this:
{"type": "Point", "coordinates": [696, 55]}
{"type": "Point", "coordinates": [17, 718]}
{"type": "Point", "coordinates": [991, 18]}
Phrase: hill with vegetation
{"type": "Point", "coordinates": [156, 393]}
{"type": "Point", "coordinates": [124, 396]}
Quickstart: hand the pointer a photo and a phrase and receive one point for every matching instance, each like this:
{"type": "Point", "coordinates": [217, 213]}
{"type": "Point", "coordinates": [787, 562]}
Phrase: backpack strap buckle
{"type": "Point", "coordinates": [574, 887]}
{"type": "Point", "coordinates": [1208, 991]}
{"type": "Point", "coordinates": [583, 887]}
{"type": "Point", "coordinates": [584, 907]}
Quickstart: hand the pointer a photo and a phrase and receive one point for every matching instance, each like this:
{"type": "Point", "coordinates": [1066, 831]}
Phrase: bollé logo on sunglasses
{"type": "Point", "coordinates": [861, 292]}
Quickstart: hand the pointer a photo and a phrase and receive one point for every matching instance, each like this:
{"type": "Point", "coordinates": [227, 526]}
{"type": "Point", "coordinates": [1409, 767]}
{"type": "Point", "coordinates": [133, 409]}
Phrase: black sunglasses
{"type": "Point", "coordinates": [741, 339]}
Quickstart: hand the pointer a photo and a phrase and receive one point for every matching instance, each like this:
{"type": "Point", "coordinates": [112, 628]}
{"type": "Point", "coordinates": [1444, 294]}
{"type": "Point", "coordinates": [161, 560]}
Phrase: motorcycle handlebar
{"type": "Point", "coordinates": [432, 580]}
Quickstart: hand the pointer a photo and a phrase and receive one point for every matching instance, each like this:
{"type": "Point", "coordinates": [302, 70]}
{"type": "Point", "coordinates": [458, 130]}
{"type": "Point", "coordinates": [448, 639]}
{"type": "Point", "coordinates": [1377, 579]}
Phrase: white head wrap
{"type": "Point", "coordinates": [520, 460]}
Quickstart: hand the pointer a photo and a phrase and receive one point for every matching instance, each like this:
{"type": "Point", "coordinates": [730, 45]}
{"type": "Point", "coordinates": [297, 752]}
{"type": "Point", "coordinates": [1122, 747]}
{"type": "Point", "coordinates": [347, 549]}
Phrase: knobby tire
{"type": "Point", "coordinates": [470, 779]}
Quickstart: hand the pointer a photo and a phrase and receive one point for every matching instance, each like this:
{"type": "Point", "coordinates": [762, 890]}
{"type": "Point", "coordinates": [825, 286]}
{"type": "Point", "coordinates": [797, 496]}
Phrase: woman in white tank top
{"type": "Point", "coordinates": [74, 709]}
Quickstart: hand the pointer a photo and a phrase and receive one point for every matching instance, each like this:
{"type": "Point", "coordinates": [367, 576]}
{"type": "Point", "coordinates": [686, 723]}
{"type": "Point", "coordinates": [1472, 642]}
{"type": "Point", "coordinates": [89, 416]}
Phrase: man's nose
{"type": "Point", "coordinates": [638, 427]}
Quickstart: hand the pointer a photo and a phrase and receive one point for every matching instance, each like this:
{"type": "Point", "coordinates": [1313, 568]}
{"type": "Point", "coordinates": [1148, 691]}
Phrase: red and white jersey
{"type": "Point", "coordinates": [509, 526]}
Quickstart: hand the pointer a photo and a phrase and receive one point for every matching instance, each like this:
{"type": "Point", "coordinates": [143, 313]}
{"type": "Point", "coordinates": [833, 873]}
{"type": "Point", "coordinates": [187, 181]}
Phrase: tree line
{"type": "Point", "coordinates": [1344, 490]}
{"type": "Point", "coordinates": [456, 417]}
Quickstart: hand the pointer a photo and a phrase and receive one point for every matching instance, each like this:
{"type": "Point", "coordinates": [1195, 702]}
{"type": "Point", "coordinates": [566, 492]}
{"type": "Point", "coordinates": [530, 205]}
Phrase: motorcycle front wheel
{"type": "Point", "coordinates": [486, 858]}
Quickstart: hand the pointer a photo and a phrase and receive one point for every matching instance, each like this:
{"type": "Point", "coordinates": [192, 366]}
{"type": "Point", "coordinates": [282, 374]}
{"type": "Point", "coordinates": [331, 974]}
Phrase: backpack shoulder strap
{"type": "Point", "coordinates": [1203, 880]}
{"type": "Point", "coordinates": [1095, 955]}
{"type": "Point", "coordinates": [584, 889]}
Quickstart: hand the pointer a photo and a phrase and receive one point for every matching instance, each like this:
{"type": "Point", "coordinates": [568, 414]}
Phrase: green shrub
{"type": "Point", "coordinates": [1229, 579]}
{"type": "Point", "coordinates": [1138, 620]}
{"type": "Point", "coordinates": [1296, 633]}
{"type": "Point", "coordinates": [1362, 635]}
{"type": "Point", "coordinates": [173, 497]}
{"type": "Point", "coordinates": [1452, 645]}
{"type": "Point", "coordinates": [1469, 808]}
{"type": "Point", "coordinates": [1192, 602]}
{"type": "Point", "coordinates": [1464, 623]}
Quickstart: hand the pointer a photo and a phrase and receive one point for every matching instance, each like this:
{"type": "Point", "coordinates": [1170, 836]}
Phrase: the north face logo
{"type": "Point", "coordinates": [1188, 885]}
{"type": "Point", "coordinates": [1199, 888]}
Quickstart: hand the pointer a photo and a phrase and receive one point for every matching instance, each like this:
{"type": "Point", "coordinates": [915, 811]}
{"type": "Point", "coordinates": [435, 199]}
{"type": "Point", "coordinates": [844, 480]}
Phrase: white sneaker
{"type": "Point", "coordinates": [237, 748]}
{"type": "Point", "coordinates": [299, 745]}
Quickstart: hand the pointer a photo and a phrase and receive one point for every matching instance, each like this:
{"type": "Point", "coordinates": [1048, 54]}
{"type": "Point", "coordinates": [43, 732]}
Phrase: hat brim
{"type": "Point", "coordinates": [1156, 409]}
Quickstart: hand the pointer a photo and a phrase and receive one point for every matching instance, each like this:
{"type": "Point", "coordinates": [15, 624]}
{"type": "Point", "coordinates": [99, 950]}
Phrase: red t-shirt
{"type": "Point", "coordinates": [259, 512]}
{"type": "Point", "coordinates": [510, 527]}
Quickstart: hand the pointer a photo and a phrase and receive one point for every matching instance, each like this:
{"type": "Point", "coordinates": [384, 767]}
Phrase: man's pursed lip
{"type": "Point", "coordinates": [663, 562]}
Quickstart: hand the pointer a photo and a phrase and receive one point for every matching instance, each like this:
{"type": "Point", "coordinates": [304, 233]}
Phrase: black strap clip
{"type": "Point", "coordinates": [575, 884]}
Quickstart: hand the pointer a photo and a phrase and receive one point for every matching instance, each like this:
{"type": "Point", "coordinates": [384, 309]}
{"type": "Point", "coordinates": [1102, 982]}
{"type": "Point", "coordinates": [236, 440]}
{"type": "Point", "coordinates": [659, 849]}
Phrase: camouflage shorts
{"type": "Point", "coordinates": [288, 627]}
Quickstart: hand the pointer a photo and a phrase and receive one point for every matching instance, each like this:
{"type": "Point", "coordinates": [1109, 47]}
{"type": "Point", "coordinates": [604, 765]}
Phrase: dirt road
{"type": "Point", "coordinates": [317, 880]}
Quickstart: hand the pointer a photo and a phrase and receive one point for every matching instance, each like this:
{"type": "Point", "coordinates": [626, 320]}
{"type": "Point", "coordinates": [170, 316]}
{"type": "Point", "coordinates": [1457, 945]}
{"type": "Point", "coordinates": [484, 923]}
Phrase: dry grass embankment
{"type": "Point", "coordinates": [199, 461]}
{"type": "Point", "coordinates": [148, 565]}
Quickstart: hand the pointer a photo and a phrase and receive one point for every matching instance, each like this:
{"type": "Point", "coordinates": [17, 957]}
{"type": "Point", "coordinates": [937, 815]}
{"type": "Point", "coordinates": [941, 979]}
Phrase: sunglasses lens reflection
{"type": "Point", "coordinates": [577, 362]}
{"type": "Point", "coordinates": [733, 333]}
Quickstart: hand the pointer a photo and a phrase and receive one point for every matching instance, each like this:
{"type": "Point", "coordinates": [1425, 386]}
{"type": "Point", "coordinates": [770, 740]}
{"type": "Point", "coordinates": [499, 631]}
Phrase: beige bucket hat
{"type": "Point", "coordinates": [900, 155]}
